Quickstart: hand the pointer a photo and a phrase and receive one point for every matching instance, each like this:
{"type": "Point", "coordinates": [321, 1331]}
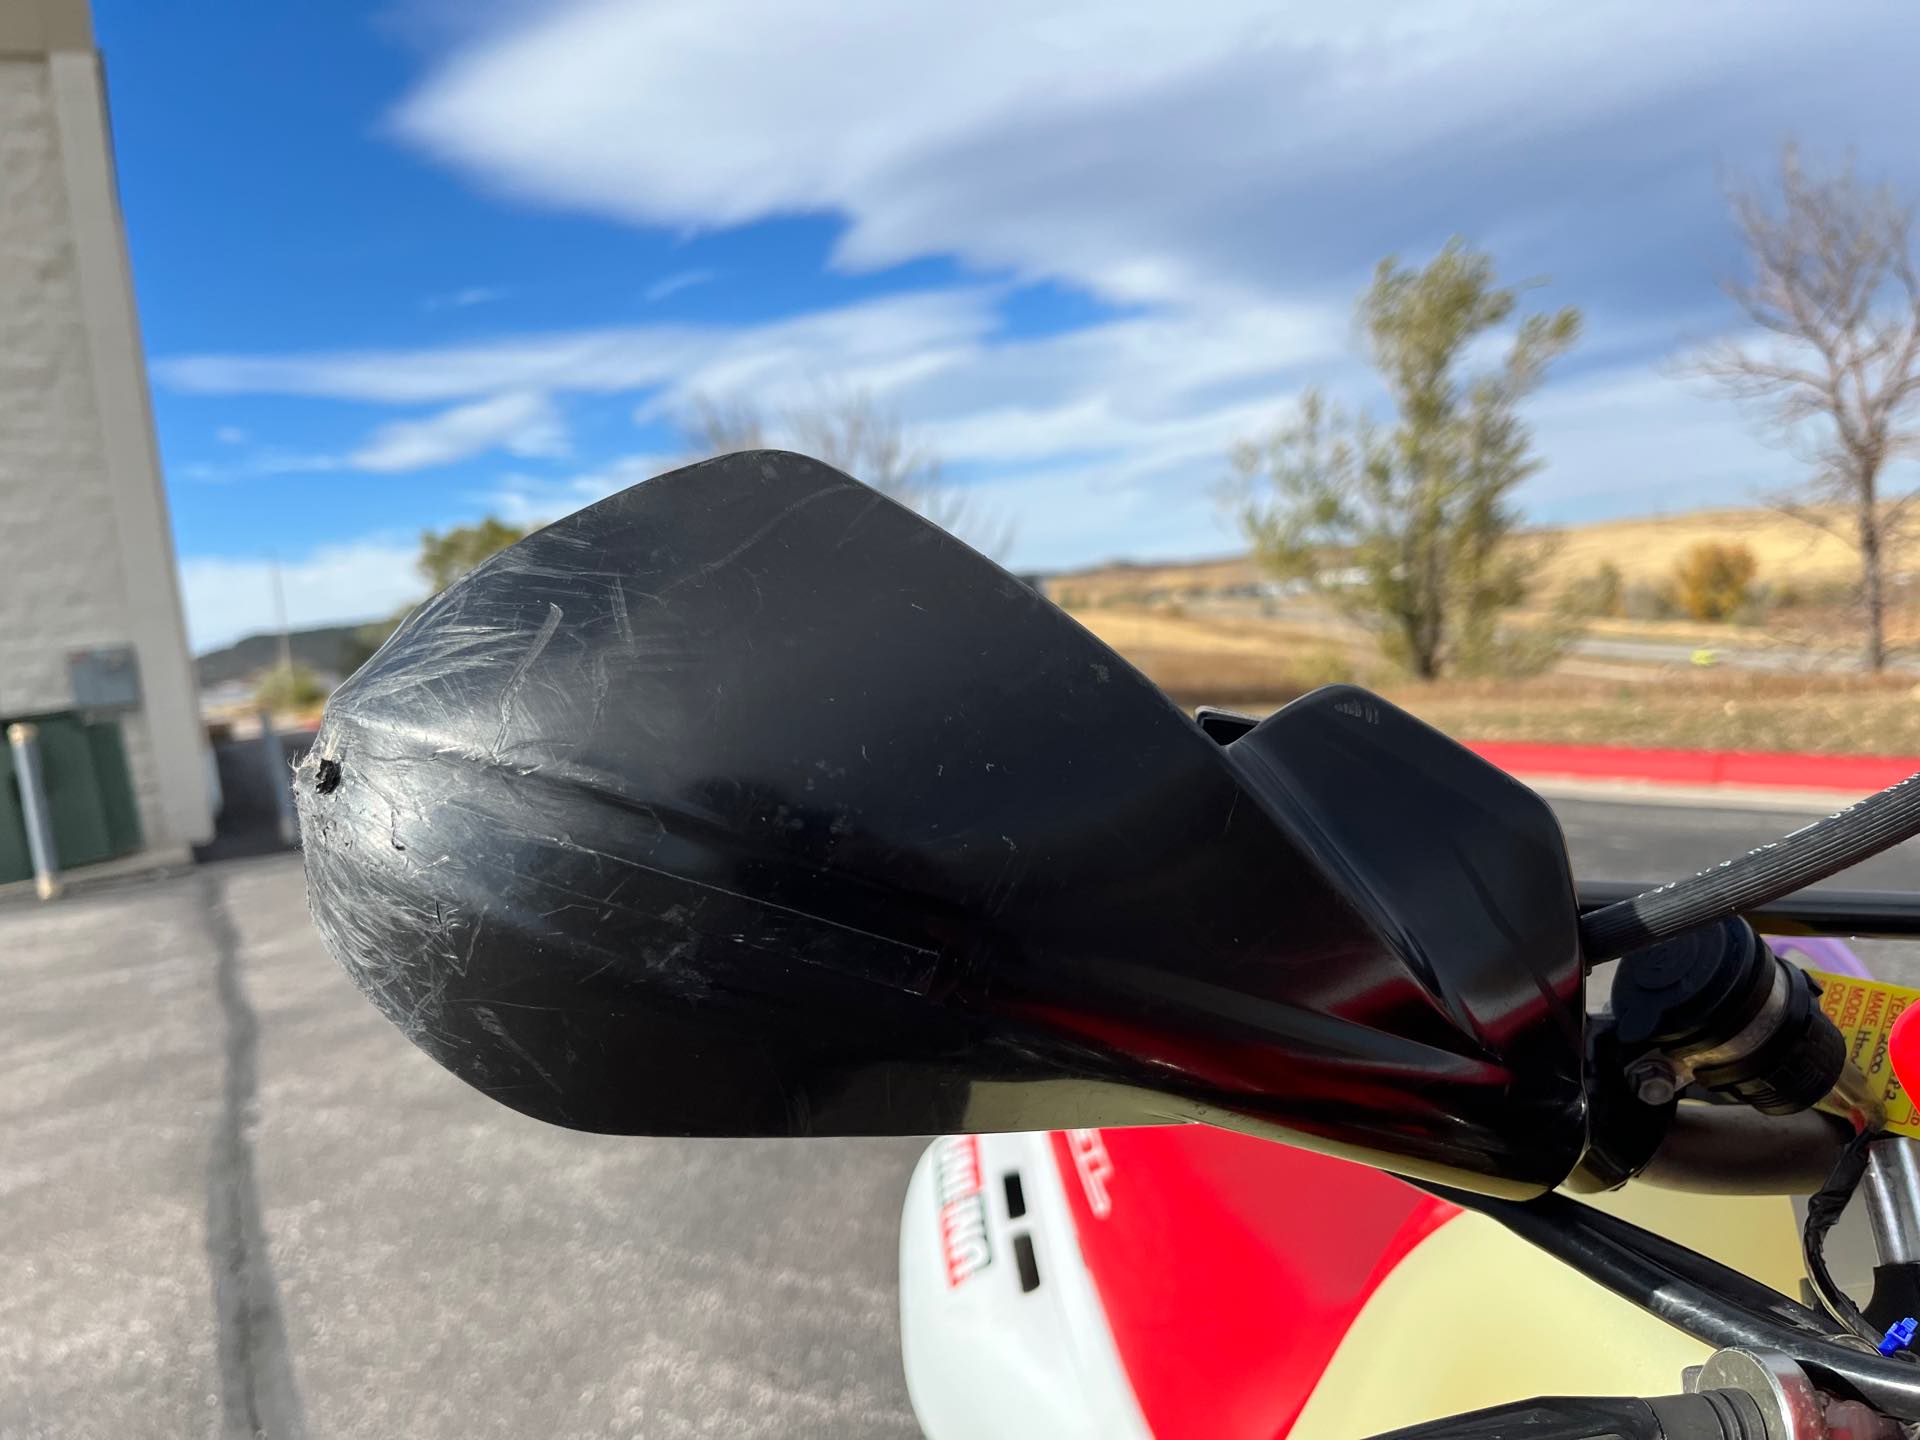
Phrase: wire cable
{"type": "Point", "coordinates": [1823, 1209]}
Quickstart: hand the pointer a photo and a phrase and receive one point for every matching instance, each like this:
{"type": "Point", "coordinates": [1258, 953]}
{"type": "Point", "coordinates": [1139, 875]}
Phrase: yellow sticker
{"type": "Point", "coordinates": [1865, 1011]}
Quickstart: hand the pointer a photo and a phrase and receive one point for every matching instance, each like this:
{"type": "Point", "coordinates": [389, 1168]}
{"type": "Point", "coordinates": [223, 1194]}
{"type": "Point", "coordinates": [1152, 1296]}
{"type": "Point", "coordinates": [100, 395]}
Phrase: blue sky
{"type": "Point", "coordinates": [403, 265]}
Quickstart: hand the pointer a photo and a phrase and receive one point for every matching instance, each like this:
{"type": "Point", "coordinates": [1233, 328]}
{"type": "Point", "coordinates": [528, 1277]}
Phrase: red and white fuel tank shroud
{"type": "Point", "coordinates": [1002, 1332]}
{"type": "Point", "coordinates": [1178, 1281]}
{"type": "Point", "coordinates": [1186, 1282]}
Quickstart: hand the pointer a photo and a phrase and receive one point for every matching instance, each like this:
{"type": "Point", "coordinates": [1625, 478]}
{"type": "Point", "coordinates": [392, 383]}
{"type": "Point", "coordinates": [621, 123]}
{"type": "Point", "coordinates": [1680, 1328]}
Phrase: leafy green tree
{"type": "Point", "coordinates": [289, 688]}
{"type": "Point", "coordinates": [1410, 526]}
{"type": "Point", "coordinates": [445, 555]}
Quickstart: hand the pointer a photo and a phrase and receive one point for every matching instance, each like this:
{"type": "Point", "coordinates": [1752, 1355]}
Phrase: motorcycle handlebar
{"type": "Point", "coordinates": [1709, 1301]}
{"type": "Point", "coordinates": [1731, 1150]}
{"type": "Point", "coordinates": [1710, 1415]}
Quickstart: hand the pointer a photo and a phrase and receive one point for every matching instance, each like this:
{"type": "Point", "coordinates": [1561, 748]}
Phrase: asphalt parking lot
{"type": "Point", "coordinates": [235, 1202]}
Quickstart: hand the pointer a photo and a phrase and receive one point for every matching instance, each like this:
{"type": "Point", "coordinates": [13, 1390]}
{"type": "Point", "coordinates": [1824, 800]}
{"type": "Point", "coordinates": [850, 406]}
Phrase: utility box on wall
{"type": "Point", "coordinates": [105, 677]}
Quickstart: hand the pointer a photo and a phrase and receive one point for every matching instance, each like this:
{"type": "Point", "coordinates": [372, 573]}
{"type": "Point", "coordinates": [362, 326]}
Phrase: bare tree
{"type": "Point", "coordinates": [720, 427]}
{"type": "Point", "coordinates": [1835, 371]}
{"type": "Point", "coordinates": [851, 433]}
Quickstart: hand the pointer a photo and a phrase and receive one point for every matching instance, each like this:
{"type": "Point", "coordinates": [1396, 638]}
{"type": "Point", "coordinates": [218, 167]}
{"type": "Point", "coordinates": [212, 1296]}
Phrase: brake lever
{"type": "Point", "coordinates": [1710, 1415]}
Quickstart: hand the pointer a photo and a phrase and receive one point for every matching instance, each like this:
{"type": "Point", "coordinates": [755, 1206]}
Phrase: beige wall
{"type": "Point", "coordinates": [39, 27]}
{"type": "Point", "coordinates": [86, 554]}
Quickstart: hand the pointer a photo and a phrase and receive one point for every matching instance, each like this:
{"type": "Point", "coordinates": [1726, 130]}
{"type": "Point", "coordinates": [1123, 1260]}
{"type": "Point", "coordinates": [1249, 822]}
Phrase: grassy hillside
{"type": "Point", "coordinates": [1788, 550]}
{"type": "Point", "coordinates": [1203, 633]}
{"type": "Point", "coordinates": [1125, 582]}
{"type": "Point", "coordinates": [1644, 550]}
{"type": "Point", "coordinates": [326, 648]}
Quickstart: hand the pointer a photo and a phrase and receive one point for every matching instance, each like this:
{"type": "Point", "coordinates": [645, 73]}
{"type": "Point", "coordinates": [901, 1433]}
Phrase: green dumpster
{"type": "Point", "coordinates": [89, 792]}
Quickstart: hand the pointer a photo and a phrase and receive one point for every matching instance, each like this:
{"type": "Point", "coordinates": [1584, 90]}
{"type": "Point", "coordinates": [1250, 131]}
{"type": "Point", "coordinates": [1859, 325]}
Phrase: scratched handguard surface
{"type": "Point", "coordinates": [746, 802]}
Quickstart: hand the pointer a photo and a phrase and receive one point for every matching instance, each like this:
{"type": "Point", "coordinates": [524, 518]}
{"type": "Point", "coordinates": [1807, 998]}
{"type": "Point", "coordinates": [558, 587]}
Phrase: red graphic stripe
{"type": "Point", "coordinates": [1230, 1268]}
{"type": "Point", "coordinates": [1771, 769]}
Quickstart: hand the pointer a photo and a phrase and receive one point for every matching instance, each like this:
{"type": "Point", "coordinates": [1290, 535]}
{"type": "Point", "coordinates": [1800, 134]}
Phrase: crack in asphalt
{"type": "Point", "coordinates": [258, 1397]}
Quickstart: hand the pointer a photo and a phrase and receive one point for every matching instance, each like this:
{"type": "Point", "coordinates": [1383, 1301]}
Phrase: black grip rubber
{"type": "Point", "coordinates": [1823, 848]}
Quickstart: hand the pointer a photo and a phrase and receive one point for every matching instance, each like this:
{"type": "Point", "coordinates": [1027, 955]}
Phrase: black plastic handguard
{"type": "Point", "coordinates": [1711, 1415]}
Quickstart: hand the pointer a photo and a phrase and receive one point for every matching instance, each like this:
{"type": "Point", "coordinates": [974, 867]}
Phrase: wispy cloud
{"type": "Point", "coordinates": [535, 500]}
{"type": "Point", "coordinates": [461, 299]}
{"type": "Point", "coordinates": [260, 465]}
{"type": "Point", "coordinates": [523, 423]}
{"type": "Point", "coordinates": [1221, 173]}
{"type": "Point", "coordinates": [230, 435]}
{"type": "Point", "coordinates": [1173, 152]}
{"type": "Point", "coordinates": [867, 337]}
{"type": "Point", "coordinates": [676, 282]}
{"type": "Point", "coordinates": [1140, 410]}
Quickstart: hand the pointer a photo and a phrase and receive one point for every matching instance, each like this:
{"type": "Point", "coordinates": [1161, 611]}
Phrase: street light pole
{"type": "Point", "coordinates": [280, 617]}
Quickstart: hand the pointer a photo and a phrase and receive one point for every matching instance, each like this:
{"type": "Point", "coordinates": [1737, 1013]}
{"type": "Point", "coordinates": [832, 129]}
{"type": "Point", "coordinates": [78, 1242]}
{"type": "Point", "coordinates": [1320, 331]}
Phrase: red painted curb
{"type": "Point", "coordinates": [1760, 768]}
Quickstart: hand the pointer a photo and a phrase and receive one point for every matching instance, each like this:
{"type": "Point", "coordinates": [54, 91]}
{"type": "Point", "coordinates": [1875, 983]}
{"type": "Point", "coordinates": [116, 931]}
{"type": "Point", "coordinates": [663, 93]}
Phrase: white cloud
{"type": "Point", "coordinates": [230, 435]}
{"type": "Point", "coordinates": [1228, 168]}
{"type": "Point", "coordinates": [1146, 150]}
{"type": "Point", "coordinates": [1076, 515]}
{"type": "Point", "coordinates": [461, 299]}
{"type": "Point", "coordinates": [862, 341]}
{"type": "Point", "coordinates": [534, 500]}
{"type": "Point", "coordinates": [258, 465]}
{"type": "Point", "coordinates": [1105, 440]}
{"type": "Point", "coordinates": [936, 355]}
{"type": "Point", "coordinates": [227, 597]}
{"type": "Point", "coordinates": [676, 282]}
{"type": "Point", "coordinates": [1126, 386]}
{"type": "Point", "coordinates": [1633, 439]}
{"type": "Point", "coordinates": [523, 423]}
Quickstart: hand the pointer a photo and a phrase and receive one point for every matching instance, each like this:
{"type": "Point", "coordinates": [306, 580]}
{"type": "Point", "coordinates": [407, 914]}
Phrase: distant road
{"type": "Point", "coordinates": [1774, 658]}
{"type": "Point", "coordinates": [1648, 842]}
{"type": "Point", "coordinates": [1635, 840]}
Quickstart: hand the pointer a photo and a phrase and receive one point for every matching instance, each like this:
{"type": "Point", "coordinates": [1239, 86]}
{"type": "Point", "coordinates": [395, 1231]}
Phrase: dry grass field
{"type": "Point", "coordinates": [1199, 652]}
{"type": "Point", "coordinates": [1677, 705]}
{"type": "Point", "coordinates": [1688, 710]}
{"type": "Point", "coordinates": [1645, 550]}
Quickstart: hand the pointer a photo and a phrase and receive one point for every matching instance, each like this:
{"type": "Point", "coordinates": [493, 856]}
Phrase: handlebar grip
{"type": "Point", "coordinates": [1711, 1415]}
